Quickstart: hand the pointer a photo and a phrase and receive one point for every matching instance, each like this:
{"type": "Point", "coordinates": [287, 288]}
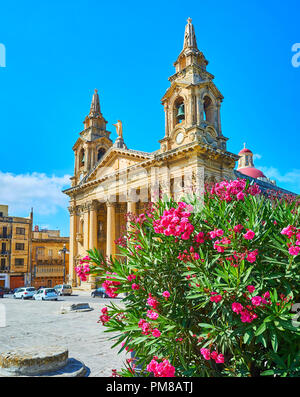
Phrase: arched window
{"type": "Point", "coordinates": [81, 157]}
{"type": "Point", "coordinates": [179, 111]}
{"type": "Point", "coordinates": [208, 108]}
{"type": "Point", "coordinates": [100, 153]}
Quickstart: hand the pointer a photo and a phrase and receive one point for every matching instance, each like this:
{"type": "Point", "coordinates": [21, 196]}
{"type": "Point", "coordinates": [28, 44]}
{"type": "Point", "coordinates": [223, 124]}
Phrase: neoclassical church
{"type": "Point", "coordinates": [111, 180]}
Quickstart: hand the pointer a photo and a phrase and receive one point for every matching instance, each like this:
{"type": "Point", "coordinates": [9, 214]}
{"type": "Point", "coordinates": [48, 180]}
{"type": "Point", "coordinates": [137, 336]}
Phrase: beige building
{"type": "Point", "coordinates": [15, 249]}
{"type": "Point", "coordinates": [110, 179]}
{"type": "Point", "coordinates": [48, 267]}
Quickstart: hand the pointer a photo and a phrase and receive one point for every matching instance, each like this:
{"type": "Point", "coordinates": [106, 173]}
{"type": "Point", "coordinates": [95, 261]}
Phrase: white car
{"type": "Point", "coordinates": [63, 289]}
{"type": "Point", "coordinates": [45, 294]}
{"type": "Point", "coordinates": [24, 293]}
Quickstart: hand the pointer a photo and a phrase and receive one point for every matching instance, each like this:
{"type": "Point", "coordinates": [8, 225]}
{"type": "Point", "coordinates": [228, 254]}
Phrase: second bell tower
{"type": "Point", "coordinates": [192, 103]}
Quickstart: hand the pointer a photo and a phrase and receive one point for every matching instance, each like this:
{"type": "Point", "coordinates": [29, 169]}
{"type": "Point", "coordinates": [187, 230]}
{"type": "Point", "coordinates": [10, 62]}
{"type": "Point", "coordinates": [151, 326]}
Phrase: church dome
{"type": "Point", "coordinates": [252, 171]}
{"type": "Point", "coordinates": [245, 150]}
{"type": "Point", "coordinates": [246, 164]}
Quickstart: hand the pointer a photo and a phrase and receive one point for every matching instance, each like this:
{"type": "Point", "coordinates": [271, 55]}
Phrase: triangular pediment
{"type": "Point", "coordinates": [116, 160]}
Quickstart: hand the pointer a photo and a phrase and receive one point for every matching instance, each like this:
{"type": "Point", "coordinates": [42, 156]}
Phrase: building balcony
{"type": "Point", "coordinates": [4, 253]}
{"type": "Point", "coordinates": [4, 269]}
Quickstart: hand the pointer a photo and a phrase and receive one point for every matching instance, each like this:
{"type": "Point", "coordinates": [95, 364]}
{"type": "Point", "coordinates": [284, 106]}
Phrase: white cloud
{"type": "Point", "coordinates": [291, 177]}
{"type": "Point", "coordinates": [257, 156]}
{"type": "Point", "coordinates": [23, 191]}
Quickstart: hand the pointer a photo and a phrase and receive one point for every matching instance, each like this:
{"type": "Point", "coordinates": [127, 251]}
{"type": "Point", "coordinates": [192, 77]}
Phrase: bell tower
{"type": "Point", "coordinates": [93, 142]}
{"type": "Point", "coordinates": [192, 103]}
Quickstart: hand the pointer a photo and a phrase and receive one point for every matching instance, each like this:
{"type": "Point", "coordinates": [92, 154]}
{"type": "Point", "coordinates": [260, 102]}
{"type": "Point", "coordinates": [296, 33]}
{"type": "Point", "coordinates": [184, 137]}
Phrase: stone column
{"type": "Point", "coordinates": [166, 120]}
{"type": "Point", "coordinates": [111, 229]}
{"type": "Point", "coordinates": [73, 244]}
{"type": "Point", "coordinates": [131, 207]}
{"type": "Point", "coordinates": [219, 129]}
{"type": "Point", "coordinates": [93, 237]}
{"type": "Point", "coordinates": [199, 109]}
{"type": "Point", "coordinates": [93, 226]}
{"type": "Point", "coordinates": [87, 158]}
{"type": "Point", "coordinates": [86, 228]}
{"type": "Point", "coordinates": [166, 182]}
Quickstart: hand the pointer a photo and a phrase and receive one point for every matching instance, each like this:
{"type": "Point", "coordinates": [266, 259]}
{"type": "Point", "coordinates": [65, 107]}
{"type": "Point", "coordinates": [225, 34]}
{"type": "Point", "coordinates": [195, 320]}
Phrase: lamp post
{"type": "Point", "coordinates": [64, 251]}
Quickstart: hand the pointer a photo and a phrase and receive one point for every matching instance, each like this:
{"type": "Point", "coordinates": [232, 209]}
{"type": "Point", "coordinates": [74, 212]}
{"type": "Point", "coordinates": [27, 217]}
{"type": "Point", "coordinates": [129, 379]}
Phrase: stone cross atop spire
{"type": "Point", "coordinates": [95, 105]}
{"type": "Point", "coordinates": [189, 36]}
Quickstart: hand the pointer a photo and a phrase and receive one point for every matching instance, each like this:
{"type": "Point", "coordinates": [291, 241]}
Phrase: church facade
{"type": "Point", "coordinates": [111, 180]}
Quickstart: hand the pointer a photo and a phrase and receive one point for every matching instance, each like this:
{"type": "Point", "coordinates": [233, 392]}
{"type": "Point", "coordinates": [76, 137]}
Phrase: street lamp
{"type": "Point", "coordinates": [64, 251]}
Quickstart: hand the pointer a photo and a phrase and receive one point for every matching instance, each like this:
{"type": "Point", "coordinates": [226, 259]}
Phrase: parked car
{"type": "Point", "coordinates": [2, 292]}
{"type": "Point", "coordinates": [6, 290]}
{"type": "Point", "coordinates": [45, 294]}
{"type": "Point", "coordinates": [63, 289]}
{"type": "Point", "coordinates": [24, 293]}
{"type": "Point", "coordinates": [99, 292]}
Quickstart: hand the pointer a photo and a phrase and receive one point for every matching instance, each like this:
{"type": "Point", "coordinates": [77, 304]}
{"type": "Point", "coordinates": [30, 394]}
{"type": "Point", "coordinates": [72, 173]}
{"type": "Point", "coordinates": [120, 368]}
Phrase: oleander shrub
{"type": "Point", "coordinates": [211, 284]}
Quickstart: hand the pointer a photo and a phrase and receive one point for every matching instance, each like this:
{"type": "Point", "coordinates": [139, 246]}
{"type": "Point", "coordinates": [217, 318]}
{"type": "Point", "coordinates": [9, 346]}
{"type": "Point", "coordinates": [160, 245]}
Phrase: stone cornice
{"type": "Point", "coordinates": [207, 149]}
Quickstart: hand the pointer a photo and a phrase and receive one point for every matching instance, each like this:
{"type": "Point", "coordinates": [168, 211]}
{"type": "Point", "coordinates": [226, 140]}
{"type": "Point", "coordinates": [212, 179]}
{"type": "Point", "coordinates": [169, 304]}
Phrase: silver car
{"type": "Point", "coordinates": [45, 294]}
{"type": "Point", "coordinates": [63, 289]}
{"type": "Point", "coordinates": [24, 293]}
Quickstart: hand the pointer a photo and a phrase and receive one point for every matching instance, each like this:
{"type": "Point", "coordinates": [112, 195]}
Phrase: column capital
{"type": "Point", "coordinates": [72, 209]}
{"type": "Point", "coordinates": [110, 203]}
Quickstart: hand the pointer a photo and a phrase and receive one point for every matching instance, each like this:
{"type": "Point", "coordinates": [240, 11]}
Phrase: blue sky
{"type": "Point", "coordinates": [57, 52]}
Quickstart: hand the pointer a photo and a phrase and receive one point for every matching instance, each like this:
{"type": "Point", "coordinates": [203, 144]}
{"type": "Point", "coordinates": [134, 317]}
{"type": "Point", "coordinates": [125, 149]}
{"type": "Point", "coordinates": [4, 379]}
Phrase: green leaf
{"type": "Point", "coordinates": [274, 341]}
{"type": "Point", "coordinates": [261, 329]}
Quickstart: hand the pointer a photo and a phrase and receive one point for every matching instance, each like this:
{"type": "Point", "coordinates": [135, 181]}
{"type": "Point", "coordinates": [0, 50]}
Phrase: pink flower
{"type": "Point", "coordinates": [237, 307]}
{"type": "Point", "coordinates": [135, 286]}
{"type": "Point", "coordinates": [238, 228]}
{"type": "Point", "coordinates": [104, 318]}
{"type": "Point", "coordinates": [240, 196]}
{"type": "Point", "coordinates": [294, 250]}
{"type": "Point", "coordinates": [216, 298]}
{"type": "Point", "coordinates": [163, 369]}
{"type": "Point", "coordinates": [251, 257]}
{"type": "Point", "coordinates": [288, 231]}
{"type": "Point", "coordinates": [220, 359]}
{"type": "Point", "coordinates": [166, 294]}
{"type": "Point", "coordinates": [214, 355]}
{"type": "Point", "coordinates": [205, 353]}
{"type": "Point", "coordinates": [249, 235]}
{"type": "Point", "coordinates": [141, 322]}
{"type": "Point", "coordinates": [152, 301]}
{"type": "Point", "coordinates": [131, 277]}
{"type": "Point", "coordinates": [146, 327]}
{"type": "Point", "coordinates": [256, 300]}
{"type": "Point", "coordinates": [251, 288]}
{"type": "Point", "coordinates": [156, 333]}
{"type": "Point", "coordinates": [152, 314]}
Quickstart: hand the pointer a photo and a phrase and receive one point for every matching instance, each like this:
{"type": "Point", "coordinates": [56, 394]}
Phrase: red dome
{"type": "Point", "coordinates": [245, 150]}
{"type": "Point", "coordinates": [252, 171]}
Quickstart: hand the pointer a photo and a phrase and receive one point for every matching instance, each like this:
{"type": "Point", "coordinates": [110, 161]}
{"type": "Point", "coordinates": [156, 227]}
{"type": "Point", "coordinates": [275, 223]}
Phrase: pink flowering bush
{"type": "Point", "coordinates": [210, 289]}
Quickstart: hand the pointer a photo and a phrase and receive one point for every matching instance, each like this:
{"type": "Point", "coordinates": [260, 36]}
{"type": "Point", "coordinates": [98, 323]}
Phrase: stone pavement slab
{"type": "Point", "coordinates": [39, 323]}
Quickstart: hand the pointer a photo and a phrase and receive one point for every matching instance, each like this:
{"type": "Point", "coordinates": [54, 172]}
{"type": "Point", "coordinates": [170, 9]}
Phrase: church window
{"type": "Point", "coordinates": [82, 157]}
{"type": "Point", "coordinates": [208, 107]}
{"type": "Point", "coordinates": [247, 160]}
{"type": "Point", "coordinates": [100, 153]}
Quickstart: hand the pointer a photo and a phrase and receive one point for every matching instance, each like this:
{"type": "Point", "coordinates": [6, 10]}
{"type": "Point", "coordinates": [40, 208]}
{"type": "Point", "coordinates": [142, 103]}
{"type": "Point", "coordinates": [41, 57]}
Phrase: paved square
{"type": "Point", "coordinates": [39, 323]}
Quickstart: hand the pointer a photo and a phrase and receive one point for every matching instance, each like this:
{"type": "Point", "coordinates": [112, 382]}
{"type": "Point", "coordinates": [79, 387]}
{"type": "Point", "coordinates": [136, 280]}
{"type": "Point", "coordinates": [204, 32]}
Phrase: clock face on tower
{"type": "Point", "coordinates": [179, 138]}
